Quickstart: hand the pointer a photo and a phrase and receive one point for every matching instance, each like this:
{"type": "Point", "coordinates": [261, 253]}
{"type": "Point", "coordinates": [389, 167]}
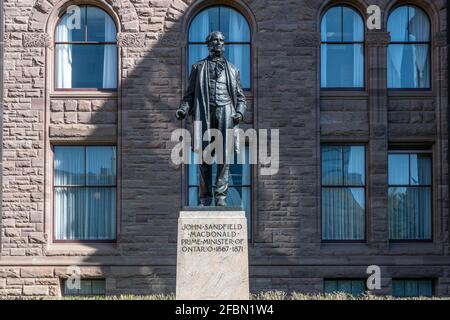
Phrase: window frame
{"type": "Point", "coordinates": [410, 152]}
{"type": "Point", "coordinates": [429, 43]}
{"type": "Point", "coordinates": [53, 227]}
{"type": "Point", "coordinates": [363, 43]}
{"type": "Point", "coordinates": [365, 187]}
{"type": "Point", "coordinates": [344, 279]}
{"type": "Point", "coordinates": [55, 43]}
{"type": "Point", "coordinates": [250, 43]}
{"type": "Point", "coordinates": [91, 280]}
{"type": "Point", "coordinates": [432, 280]}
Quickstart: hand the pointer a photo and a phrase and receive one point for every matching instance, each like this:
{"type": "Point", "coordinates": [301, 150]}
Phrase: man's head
{"type": "Point", "coordinates": [216, 42]}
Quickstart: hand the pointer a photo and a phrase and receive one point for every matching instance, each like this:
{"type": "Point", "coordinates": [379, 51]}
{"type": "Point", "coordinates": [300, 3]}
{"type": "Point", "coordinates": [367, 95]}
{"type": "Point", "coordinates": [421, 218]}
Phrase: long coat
{"type": "Point", "coordinates": [196, 98]}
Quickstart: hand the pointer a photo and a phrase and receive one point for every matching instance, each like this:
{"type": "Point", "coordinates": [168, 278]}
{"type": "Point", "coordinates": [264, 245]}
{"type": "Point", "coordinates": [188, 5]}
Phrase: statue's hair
{"type": "Point", "coordinates": [209, 36]}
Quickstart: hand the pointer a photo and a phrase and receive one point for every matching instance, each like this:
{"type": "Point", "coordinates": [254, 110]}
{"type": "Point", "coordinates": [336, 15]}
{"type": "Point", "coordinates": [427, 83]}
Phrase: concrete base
{"type": "Point", "coordinates": [212, 257]}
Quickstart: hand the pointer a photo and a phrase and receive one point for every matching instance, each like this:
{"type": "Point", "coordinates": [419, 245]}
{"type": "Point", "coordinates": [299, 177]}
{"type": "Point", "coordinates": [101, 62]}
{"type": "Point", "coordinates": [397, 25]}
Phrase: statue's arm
{"type": "Point", "coordinates": [241, 104]}
{"type": "Point", "coordinates": [187, 103]}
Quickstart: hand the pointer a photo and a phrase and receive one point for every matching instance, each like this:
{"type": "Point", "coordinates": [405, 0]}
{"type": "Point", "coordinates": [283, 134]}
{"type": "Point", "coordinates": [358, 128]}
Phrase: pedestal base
{"type": "Point", "coordinates": [212, 257]}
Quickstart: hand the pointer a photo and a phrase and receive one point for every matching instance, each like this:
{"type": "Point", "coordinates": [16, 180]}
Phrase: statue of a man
{"type": "Point", "coordinates": [214, 97]}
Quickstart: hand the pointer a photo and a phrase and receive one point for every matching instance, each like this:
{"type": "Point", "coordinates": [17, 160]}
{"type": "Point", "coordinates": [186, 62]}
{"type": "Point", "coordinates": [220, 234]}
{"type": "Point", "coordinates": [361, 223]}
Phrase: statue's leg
{"type": "Point", "coordinates": [223, 170]}
{"type": "Point", "coordinates": [206, 192]}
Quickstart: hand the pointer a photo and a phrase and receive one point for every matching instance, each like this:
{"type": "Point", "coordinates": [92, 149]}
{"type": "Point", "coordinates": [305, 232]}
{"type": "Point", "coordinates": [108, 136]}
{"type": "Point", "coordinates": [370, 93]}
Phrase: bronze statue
{"type": "Point", "coordinates": [214, 97]}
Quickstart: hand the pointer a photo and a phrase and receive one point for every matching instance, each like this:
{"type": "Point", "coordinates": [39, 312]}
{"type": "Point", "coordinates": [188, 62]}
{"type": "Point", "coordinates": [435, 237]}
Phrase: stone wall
{"type": "Point", "coordinates": [286, 251]}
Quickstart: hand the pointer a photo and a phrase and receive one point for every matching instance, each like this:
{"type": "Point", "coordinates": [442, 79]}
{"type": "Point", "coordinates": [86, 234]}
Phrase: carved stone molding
{"type": "Point", "coordinates": [440, 39]}
{"type": "Point", "coordinates": [37, 39]}
{"type": "Point", "coordinates": [307, 40]}
{"type": "Point", "coordinates": [128, 39]}
{"type": "Point", "coordinates": [378, 38]}
{"type": "Point", "coordinates": [6, 39]}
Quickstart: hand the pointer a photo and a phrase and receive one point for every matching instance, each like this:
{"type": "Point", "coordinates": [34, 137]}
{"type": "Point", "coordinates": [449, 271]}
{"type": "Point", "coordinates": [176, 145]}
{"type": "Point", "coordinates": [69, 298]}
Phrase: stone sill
{"type": "Point", "coordinates": [355, 94]}
{"type": "Point", "coordinates": [81, 249]}
{"type": "Point", "coordinates": [414, 248]}
{"type": "Point", "coordinates": [411, 93]}
{"type": "Point", "coordinates": [347, 247]}
{"type": "Point", "coordinates": [83, 94]}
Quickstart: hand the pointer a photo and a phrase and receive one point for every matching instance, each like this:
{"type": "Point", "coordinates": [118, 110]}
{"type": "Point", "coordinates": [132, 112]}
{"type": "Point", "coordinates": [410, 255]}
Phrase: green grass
{"type": "Point", "coordinates": [267, 295]}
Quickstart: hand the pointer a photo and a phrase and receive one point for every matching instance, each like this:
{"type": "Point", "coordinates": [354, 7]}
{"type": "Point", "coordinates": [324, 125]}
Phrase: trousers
{"type": "Point", "coordinates": [220, 117]}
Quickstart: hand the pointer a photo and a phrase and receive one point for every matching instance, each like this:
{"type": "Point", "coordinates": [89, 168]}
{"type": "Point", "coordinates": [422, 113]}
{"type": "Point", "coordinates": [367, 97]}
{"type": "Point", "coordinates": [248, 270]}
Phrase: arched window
{"type": "Point", "coordinates": [237, 38]}
{"type": "Point", "coordinates": [409, 50]}
{"type": "Point", "coordinates": [85, 50]}
{"type": "Point", "coordinates": [342, 48]}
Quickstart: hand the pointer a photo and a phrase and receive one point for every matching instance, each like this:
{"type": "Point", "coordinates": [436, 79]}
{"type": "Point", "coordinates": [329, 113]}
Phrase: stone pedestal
{"type": "Point", "coordinates": [212, 257]}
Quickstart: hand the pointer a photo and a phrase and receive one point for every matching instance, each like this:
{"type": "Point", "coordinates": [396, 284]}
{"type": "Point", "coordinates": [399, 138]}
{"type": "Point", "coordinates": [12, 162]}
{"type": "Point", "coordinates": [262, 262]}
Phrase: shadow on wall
{"type": "Point", "coordinates": [150, 186]}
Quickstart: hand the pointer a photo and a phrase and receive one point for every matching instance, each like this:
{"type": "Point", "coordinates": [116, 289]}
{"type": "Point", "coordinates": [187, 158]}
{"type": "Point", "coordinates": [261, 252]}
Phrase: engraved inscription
{"type": "Point", "coordinates": [211, 237]}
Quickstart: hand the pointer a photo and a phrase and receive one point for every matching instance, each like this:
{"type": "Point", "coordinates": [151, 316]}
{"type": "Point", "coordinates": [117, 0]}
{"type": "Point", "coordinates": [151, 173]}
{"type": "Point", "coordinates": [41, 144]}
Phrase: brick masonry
{"type": "Point", "coordinates": [286, 252]}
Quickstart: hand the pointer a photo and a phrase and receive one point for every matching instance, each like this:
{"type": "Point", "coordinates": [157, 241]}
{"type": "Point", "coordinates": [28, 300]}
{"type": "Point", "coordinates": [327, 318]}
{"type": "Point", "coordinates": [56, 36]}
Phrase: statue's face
{"type": "Point", "coordinates": [216, 43]}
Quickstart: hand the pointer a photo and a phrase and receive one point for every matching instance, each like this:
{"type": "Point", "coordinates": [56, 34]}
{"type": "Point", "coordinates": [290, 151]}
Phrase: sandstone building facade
{"type": "Point", "coordinates": [88, 115]}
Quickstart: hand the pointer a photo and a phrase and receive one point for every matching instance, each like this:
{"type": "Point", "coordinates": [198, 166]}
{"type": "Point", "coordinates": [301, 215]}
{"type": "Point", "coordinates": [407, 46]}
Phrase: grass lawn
{"type": "Point", "coordinates": [269, 295]}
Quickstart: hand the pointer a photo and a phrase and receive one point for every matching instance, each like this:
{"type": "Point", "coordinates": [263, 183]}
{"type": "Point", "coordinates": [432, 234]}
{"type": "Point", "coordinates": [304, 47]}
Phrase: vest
{"type": "Point", "coordinates": [218, 91]}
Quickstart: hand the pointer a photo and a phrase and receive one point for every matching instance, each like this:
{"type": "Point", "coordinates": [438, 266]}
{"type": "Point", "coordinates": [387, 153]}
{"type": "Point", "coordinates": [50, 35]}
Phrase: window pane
{"type": "Point", "coordinates": [100, 26]}
{"type": "Point", "coordinates": [409, 213]}
{"type": "Point", "coordinates": [343, 213]}
{"type": "Point", "coordinates": [330, 286]}
{"type": "Point", "coordinates": [85, 213]}
{"type": "Point", "coordinates": [233, 25]}
{"type": "Point", "coordinates": [71, 213]}
{"type": "Point", "coordinates": [353, 287]}
{"type": "Point", "coordinates": [101, 166]}
{"type": "Point", "coordinates": [196, 53]}
{"type": "Point", "coordinates": [398, 288]}
{"type": "Point", "coordinates": [408, 66]}
{"type": "Point", "coordinates": [69, 166]}
{"type": "Point", "coordinates": [244, 159]}
{"type": "Point", "coordinates": [358, 287]}
{"type": "Point", "coordinates": [193, 196]}
{"type": "Point", "coordinates": [354, 165]}
{"type": "Point", "coordinates": [86, 66]}
{"type": "Point", "coordinates": [398, 24]}
{"type": "Point", "coordinates": [420, 169]}
{"type": "Point", "coordinates": [204, 23]}
{"type": "Point", "coordinates": [240, 169]}
{"type": "Point", "coordinates": [425, 288]}
{"type": "Point", "coordinates": [398, 169]}
{"type": "Point", "coordinates": [419, 25]}
{"type": "Point", "coordinates": [342, 66]}
{"type": "Point", "coordinates": [412, 288]}
{"type": "Point", "coordinates": [98, 287]}
{"type": "Point", "coordinates": [331, 25]}
{"type": "Point", "coordinates": [345, 286]}
{"type": "Point", "coordinates": [101, 208]}
{"type": "Point", "coordinates": [87, 287]}
{"type": "Point", "coordinates": [235, 175]}
{"type": "Point", "coordinates": [239, 55]}
{"type": "Point", "coordinates": [332, 165]}
{"type": "Point", "coordinates": [69, 29]}
{"type": "Point", "coordinates": [353, 25]}
{"type": "Point", "coordinates": [193, 168]}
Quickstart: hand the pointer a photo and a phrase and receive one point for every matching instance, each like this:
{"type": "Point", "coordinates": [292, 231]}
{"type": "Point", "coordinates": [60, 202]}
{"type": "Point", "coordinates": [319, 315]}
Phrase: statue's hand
{"type": "Point", "coordinates": [181, 114]}
{"type": "Point", "coordinates": [237, 117]}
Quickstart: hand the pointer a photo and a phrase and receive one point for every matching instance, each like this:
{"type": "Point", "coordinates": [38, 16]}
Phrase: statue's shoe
{"type": "Point", "coordinates": [221, 202]}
